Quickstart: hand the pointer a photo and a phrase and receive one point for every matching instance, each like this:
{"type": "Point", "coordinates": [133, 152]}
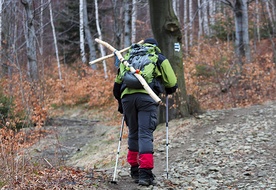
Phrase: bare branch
{"type": "Point", "coordinates": [227, 2]}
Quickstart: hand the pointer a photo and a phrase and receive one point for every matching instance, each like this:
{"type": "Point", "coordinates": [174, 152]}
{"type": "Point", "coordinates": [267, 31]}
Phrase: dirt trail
{"type": "Point", "coordinates": [225, 149]}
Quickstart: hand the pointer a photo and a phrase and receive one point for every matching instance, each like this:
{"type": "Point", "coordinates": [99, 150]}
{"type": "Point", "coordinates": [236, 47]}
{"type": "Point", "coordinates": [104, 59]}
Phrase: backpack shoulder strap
{"type": "Point", "coordinates": [160, 60]}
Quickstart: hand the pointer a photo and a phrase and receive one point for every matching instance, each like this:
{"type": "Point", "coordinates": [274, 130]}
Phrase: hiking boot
{"type": "Point", "coordinates": [134, 172]}
{"type": "Point", "coordinates": [146, 177]}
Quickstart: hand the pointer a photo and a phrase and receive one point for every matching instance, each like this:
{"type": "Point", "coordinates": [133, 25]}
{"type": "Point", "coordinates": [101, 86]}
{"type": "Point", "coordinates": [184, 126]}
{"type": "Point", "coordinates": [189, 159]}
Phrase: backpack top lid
{"type": "Point", "coordinates": [151, 41]}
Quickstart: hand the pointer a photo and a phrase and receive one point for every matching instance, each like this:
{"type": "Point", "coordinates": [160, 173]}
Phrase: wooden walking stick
{"type": "Point", "coordinates": [139, 77]}
{"type": "Point", "coordinates": [111, 55]}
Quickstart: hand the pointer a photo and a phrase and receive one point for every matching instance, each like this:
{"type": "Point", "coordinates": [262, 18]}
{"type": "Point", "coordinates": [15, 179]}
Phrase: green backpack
{"type": "Point", "coordinates": [144, 60]}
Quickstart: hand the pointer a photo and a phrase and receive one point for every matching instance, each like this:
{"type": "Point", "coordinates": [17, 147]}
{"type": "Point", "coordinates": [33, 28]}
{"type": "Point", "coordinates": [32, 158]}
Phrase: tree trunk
{"type": "Point", "coordinates": [127, 23]}
{"type": "Point", "coordinates": [205, 17]}
{"type": "Point", "coordinates": [82, 50]}
{"type": "Point", "coordinates": [257, 23]}
{"type": "Point", "coordinates": [273, 14]}
{"type": "Point", "coordinates": [268, 29]}
{"type": "Point", "coordinates": [186, 25]}
{"type": "Point", "coordinates": [191, 21]}
{"type": "Point", "coordinates": [88, 36]}
{"type": "Point", "coordinates": [55, 39]}
{"type": "Point", "coordinates": [1, 5]}
{"type": "Point", "coordinates": [200, 22]}
{"type": "Point", "coordinates": [269, 13]}
{"type": "Point", "coordinates": [242, 46]}
{"type": "Point", "coordinates": [30, 40]}
{"type": "Point", "coordinates": [133, 21]}
{"type": "Point", "coordinates": [41, 27]}
{"type": "Point", "coordinates": [176, 5]}
{"type": "Point", "coordinates": [212, 12]}
{"type": "Point", "coordinates": [100, 37]}
{"type": "Point", "coordinates": [117, 23]}
{"type": "Point", "coordinates": [166, 30]}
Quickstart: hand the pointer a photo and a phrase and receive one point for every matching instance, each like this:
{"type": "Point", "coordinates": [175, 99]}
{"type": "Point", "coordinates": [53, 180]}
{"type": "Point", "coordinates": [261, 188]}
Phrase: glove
{"type": "Point", "coordinates": [120, 107]}
{"type": "Point", "coordinates": [171, 90]}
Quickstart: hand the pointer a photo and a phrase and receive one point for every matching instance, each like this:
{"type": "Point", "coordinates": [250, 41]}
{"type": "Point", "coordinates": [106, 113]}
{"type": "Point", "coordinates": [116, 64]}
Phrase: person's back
{"type": "Point", "coordinates": [140, 112]}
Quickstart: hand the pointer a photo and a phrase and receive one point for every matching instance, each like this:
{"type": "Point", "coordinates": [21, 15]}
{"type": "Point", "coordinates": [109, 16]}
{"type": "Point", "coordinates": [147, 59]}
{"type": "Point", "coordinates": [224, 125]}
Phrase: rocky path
{"type": "Point", "coordinates": [226, 149]}
{"type": "Point", "coordinates": [234, 149]}
{"type": "Point", "coordinates": [219, 150]}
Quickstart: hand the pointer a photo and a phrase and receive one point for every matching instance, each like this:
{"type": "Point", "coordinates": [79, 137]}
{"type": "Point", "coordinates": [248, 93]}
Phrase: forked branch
{"type": "Point", "coordinates": [139, 77]}
{"type": "Point", "coordinates": [111, 55]}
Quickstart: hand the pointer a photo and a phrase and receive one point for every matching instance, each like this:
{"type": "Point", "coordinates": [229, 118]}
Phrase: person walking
{"type": "Point", "coordinates": [140, 113]}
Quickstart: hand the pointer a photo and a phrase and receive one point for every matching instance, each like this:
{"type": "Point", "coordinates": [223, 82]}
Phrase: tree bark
{"type": "Point", "coordinates": [30, 40]}
{"type": "Point", "coordinates": [41, 30]}
{"type": "Point", "coordinates": [200, 22]}
{"type": "Point", "coordinates": [167, 31]}
{"type": "Point", "coordinates": [268, 12]}
{"type": "Point", "coordinates": [82, 50]}
{"type": "Point", "coordinates": [191, 22]}
{"type": "Point", "coordinates": [1, 5]}
{"type": "Point", "coordinates": [55, 39]}
{"type": "Point", "coordinates": [117, 23]}
{"type": "Point", "coordinates": [242, 36]}
{"type": "Point", "coordinates": [127, 23]}
{"type": "Point", "coordinates": [133, 21]}
{"type": "Point", "coordinates": [186, 25]}
{"type": "Point", "coordinates": [212, 12]}
{"type": "Point", "coordinates": [176, 5]}
{"type": "Point", "coordinates": [205, 18]}
{"type": "Point", "coordinates": [257, 23]}
{"type": "Point", "coordinates": [242, 46]}
{"type": "Point", "coordinates": [100, 37]}
{"type": "Point", "coordinates": [88, 36]}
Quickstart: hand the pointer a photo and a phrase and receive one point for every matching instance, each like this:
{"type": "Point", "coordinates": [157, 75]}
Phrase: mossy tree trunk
{"type": "Point", "coordinates": [167, 32]}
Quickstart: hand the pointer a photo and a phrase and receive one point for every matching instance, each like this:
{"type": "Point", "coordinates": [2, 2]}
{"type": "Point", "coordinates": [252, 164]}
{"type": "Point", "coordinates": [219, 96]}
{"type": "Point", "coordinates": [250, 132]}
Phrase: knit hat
{"type": "Point", "coordinates": [151, 41]}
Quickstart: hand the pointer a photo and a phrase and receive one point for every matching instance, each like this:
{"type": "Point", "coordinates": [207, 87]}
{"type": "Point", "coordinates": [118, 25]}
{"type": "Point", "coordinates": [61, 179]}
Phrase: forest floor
{"type": "Point", "coordinates": [222, 149]}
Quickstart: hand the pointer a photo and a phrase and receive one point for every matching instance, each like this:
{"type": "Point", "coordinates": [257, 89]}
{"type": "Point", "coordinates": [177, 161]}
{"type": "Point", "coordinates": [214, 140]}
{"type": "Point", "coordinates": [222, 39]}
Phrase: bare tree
{"type": "Point", "coordinates": [185, 21]}
{"type": "Point", "coordinates": [30, 40]}
{"type": "Point", "coordinates": [88, 36]}
{"type": "Point", "coordinates": [205, 18]}
{"type": "Point", "coordinates": [117, 23]}
{"type": "Point", "coordinates": [257, 22]}
{"type": "Point", "coordinates": [55, 39]}
{"type": "Point", "coordinates": [127, 23]}
{"type": "Point", "coordinates": [176, 6]}
{"type": "Point", "coordinates": [1, 7]}
{"type": "Point", "coordinates": [212, 12]}
{"type": "Point", "coordinates": [100, 37]}
{"type": "Point", "coordinates": [200, 21]}
{"type": "Point", "coordinates": [268, 11]}
{"type": "Point", "coordinates": [242, 46]}
{"type": "Point", "coordinates": [133, 21]}
{"type": "Point", "coordinates": [41, 29]}
{"type": "Point", "coordinates": [191, 20]}
{"type": "Point", "coordinates": [269, 33]}
{"type": "Point", "coordinates": [82, 50]}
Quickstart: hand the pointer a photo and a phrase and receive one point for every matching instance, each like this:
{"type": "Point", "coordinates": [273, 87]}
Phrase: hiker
{"type": "Point", "coordinates": [140, 110]}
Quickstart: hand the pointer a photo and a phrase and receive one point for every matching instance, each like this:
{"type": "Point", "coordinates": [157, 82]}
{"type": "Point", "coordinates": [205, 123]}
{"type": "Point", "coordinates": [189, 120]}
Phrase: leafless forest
{"type": "Point", "coordinates": [227, 48]}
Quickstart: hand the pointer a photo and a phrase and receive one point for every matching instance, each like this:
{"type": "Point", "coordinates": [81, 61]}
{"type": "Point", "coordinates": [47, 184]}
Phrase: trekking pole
{"type": "Point", "coordinates": [118, 152]}
{"type": "Point", "coordinates": [167, 135]}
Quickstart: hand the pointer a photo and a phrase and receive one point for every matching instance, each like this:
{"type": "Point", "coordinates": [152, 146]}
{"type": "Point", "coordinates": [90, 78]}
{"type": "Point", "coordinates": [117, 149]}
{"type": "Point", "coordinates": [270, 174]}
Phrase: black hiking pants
{"type": "Point", "coordinates": [140, 112]}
